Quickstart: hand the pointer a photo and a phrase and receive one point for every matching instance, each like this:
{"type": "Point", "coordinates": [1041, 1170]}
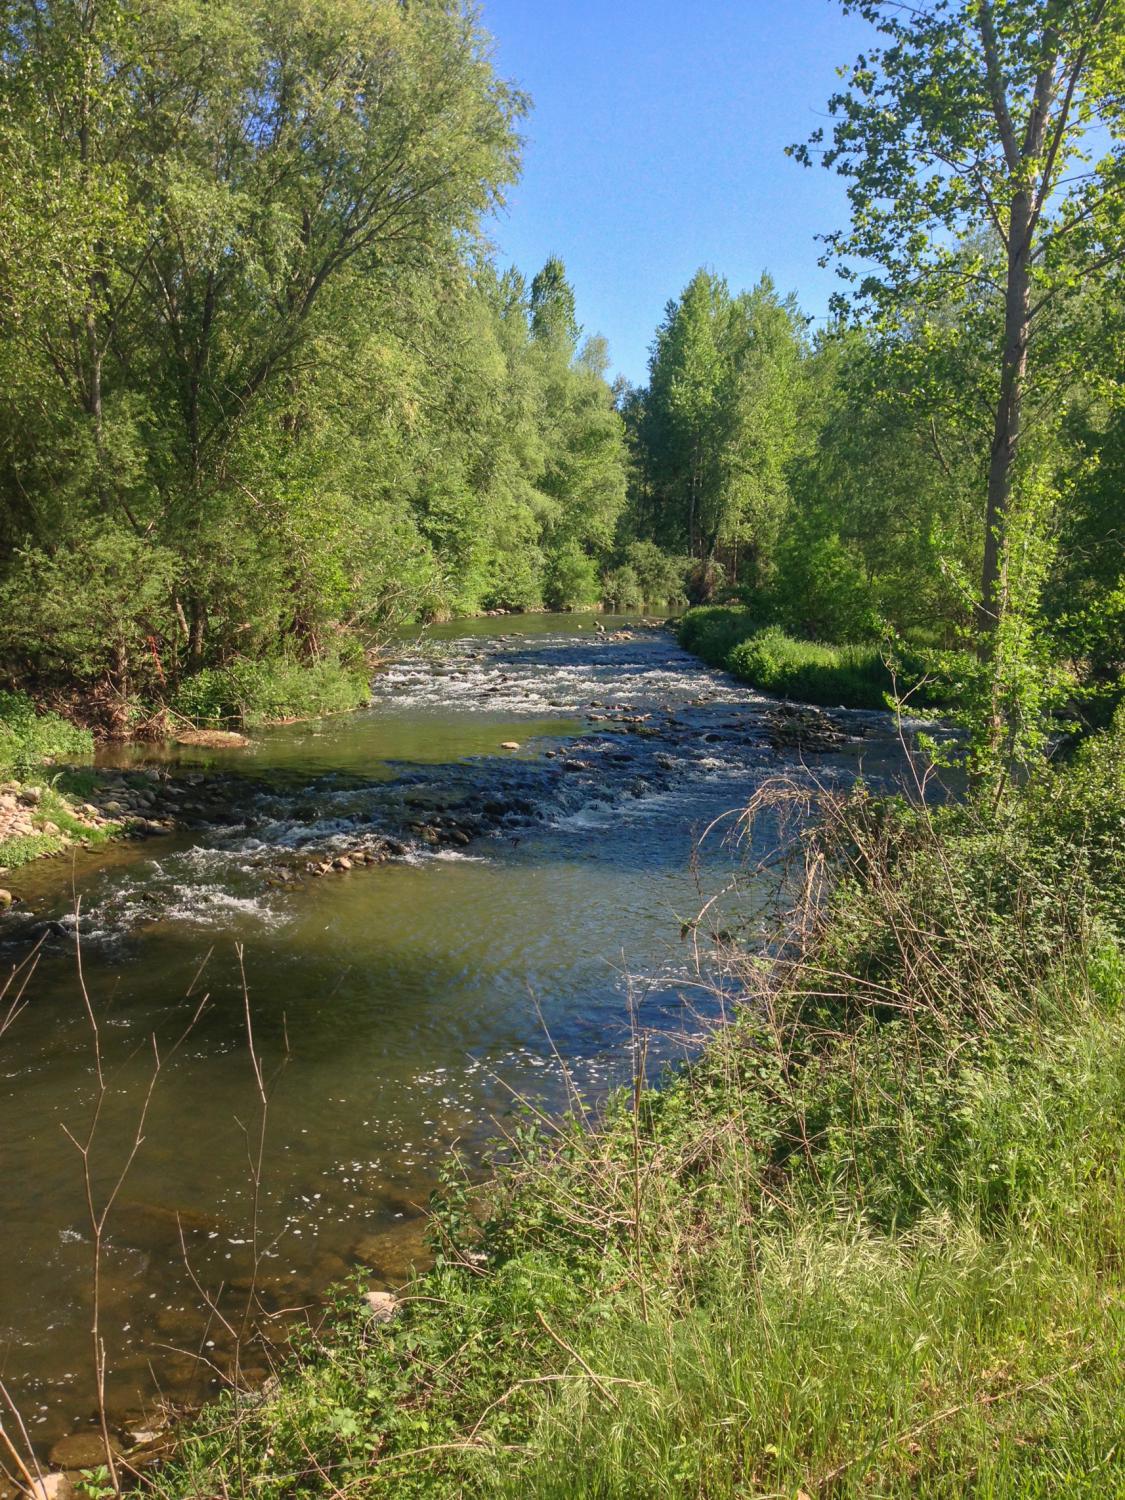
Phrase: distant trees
{"type": "Point", "coordinates": [719, 421]}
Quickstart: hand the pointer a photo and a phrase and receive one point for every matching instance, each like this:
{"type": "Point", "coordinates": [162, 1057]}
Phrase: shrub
{"type": "Point", "coordinates": [86, 610]}
{"type": "Point", "coordinates": [261, 692]}
{"type": "Point", "coordinates": [572, 579]}
{"type": "Point", "coordinates": [621, 589]}
{"type": "Point", "coordinates": [854, 676]}
{"type": "Point", "coordinates": [29, 739]}
{"type": "Point", "coordinates": [712, 631]}
{"type": "Point", "coordinates": [660, 576]}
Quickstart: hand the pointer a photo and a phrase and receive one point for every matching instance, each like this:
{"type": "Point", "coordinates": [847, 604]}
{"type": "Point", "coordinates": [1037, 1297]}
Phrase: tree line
{"type": "Point", "coordinates": [265, 391]}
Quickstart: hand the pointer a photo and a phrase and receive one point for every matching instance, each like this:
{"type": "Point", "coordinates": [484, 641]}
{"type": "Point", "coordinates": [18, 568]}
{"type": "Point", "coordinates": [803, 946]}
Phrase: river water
{"type": "Point", "coordinates": [400, 1009]}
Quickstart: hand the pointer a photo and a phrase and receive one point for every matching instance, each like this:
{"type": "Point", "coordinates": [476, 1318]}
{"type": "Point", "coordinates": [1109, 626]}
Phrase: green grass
{"type": "Point", "coordinates": [29, 739]}
{"type": "Point", "coordinates": [871, 1242]}
{"type": "Point", "coordinates": [849, 676]}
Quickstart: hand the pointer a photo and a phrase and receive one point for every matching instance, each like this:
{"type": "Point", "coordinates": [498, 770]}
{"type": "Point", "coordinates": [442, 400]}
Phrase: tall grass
{"type": "Point", "coordinates": [250, 693]}
{"type": "Point", "coordinates": [870, 1242]}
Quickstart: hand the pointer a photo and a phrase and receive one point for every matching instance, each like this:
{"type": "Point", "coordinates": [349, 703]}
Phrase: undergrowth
{"type": "Point", "coordinates": [846, 675]}
{"type": "Point", "coordinates": [251, 693]}
{"type": "Point", "coordinates": [870, 1242]}
{"type": "Point", "coordinates": [29, 739]}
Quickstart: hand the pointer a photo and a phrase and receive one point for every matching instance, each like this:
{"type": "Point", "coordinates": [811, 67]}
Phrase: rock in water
{"type": "Point", "coordinates": [509, 744]}
{"type": "Point", "coordinates": [82, 1450]}
{"type": "Point", "coordinates": [6, 899]}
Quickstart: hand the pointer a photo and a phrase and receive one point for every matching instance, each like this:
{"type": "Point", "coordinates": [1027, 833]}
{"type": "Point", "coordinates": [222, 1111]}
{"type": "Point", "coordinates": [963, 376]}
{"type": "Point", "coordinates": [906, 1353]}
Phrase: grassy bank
{"type": "Point", "coordinates": [871, 1242]}
{"type": "Point", "coordinates": [37, 815]}
{"type": "Point", "coordinates": [851, 676]}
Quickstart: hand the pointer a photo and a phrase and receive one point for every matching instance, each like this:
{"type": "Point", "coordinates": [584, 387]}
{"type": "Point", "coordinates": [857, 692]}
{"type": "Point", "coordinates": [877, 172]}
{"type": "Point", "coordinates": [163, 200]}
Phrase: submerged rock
{"type": "Point", "coordinates": [82, 1450]}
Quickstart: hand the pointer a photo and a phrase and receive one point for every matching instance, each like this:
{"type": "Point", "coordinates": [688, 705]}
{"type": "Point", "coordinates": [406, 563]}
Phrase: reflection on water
{"type": "Point", "coordinates": [410, 997]}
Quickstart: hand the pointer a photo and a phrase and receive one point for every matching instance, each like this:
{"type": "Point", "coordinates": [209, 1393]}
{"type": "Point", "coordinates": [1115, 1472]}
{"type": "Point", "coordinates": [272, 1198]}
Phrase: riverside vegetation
{"type": "Point", "coordinates": [869, 1241]}
{"type": "Point", "coordinates": [267, 395]}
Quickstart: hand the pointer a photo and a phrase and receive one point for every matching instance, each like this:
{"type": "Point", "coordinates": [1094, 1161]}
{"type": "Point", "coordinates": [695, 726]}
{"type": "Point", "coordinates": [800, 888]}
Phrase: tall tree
{"type": "Point", "coordinates": [981, 118]}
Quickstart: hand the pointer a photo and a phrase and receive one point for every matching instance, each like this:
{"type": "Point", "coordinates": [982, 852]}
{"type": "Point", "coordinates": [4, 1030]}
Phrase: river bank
{"type": "Point", "coordinates": [868, 1240]}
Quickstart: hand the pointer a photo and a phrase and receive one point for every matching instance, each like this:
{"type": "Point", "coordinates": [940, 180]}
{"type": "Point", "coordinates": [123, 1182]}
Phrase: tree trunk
{"type": "Point", "coordinates": [196, 634]}
{"type": "Point", "coordinates": [1005, 440]}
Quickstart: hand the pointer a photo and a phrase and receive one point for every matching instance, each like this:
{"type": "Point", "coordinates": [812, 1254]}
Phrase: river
{"type": "Point", "coordinates": [400, 1008]}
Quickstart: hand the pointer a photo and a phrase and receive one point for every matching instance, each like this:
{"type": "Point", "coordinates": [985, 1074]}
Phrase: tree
{"type": "Point", "coordinates": [980, 120]}
{"type": "Point", "coordinates": [718, 423]}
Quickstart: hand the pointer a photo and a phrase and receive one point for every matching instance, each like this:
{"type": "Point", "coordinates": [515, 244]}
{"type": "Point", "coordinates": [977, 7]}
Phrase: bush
{"type": "Point", "coordinates": [661, 577]}
{"type": "Point", "coordinates": [730, 637]}
{"type": "Point", "coordinates": [250, 693]}
{"type": "Point", "coordinates": [86, 610]}
{"type": "Point", "coordinates": [572, 579]}
{"type": "Point", "coordinates": [29, 739]}
{"type": "Point", "coordinates": [621, 589]}
{"type": "Point", "coordinates": [854, 676]}
{"type": "Point", "coordinates": [712, 631]}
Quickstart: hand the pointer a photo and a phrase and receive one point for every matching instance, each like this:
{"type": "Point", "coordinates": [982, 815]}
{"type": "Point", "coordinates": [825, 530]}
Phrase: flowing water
{"type": "Point", "coordinates": [401, 1008]}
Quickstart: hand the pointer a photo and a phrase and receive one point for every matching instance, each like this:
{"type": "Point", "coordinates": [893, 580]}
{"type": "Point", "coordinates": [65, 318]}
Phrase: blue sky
{"type": "Point", "coordinates": [656, 145]}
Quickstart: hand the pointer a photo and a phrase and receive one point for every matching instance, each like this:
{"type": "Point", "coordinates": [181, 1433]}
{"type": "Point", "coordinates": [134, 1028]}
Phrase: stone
{"type": "Point", "coordinates": [342, 863]}
{"type": "Point", "coordinates": [382, 1305]}
{"type": "Point", "coordinates": [82, 1450]}
{"type": "Point", "coordinates": [52, 1487]}
{"type": "Point", "coordinates": [31, 796]}
{"type": "Point", "coordinates": [6, 899]}
{"type": "Point", "coordinates": [509, 744]}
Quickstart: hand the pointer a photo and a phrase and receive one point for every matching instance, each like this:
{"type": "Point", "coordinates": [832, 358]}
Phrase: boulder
{"type": "Point", "coordinates": [509, 744]}
{"type": "Point", "coordinates": [82, 1450]}
{"type": "Point", "coordinates": [31, 796]}
{"type": "Point", "coordinates": [6, 899]}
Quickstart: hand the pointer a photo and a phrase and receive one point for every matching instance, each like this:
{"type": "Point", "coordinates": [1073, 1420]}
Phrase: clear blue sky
{"type": "Point", "coordinates": [656, 145]}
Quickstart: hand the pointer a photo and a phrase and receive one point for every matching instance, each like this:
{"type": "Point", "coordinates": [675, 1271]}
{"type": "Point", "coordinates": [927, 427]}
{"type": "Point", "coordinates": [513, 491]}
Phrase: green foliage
{"type": "Point", "coordinates": [259, 380]}
{"type": "Point", "coordinates": [661, 578]}
{"type": "Point", "coordinates": [718, 422]}
{"type": "Point", "coordinates": [572, 578]}
{"type": "Point", "coordinates": [854, 676]}
{"type": "Point", "coordinates": [29, 739]}
{"type": "Point", "coordinates": [712, 631]}
{"type": "Point", "coordinates": [250, 692]}
{"type": "Point", "coordinates": [621, 589]}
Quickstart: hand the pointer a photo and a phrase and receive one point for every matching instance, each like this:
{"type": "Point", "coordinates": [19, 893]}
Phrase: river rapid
{"type": "Point", "coordinates": [401, 1008]}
